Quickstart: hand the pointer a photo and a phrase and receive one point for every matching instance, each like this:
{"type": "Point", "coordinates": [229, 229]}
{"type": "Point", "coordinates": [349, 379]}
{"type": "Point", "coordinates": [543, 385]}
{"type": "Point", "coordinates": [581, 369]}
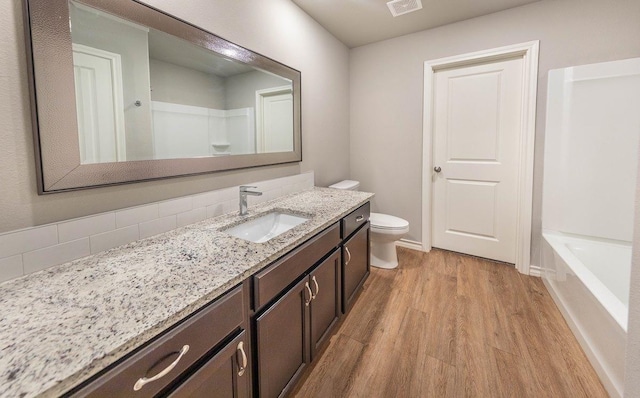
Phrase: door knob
{"type": "Point", "coordinates": [437, 169]}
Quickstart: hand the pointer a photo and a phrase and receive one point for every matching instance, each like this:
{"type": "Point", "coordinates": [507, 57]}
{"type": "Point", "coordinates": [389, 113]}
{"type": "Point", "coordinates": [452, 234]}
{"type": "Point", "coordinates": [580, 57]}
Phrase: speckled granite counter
{"type": "Point", "coordinates": [62, 325]}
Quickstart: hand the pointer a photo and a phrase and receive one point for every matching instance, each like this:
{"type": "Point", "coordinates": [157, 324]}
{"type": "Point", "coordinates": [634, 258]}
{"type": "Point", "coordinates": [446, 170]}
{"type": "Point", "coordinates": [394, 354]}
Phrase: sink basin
{"type": "Point", "coordinates": [262, 229]}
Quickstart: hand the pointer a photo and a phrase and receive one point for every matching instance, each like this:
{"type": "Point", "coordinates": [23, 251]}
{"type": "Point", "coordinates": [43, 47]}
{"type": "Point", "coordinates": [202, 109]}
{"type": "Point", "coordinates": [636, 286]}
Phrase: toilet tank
{"type": "Point", "coordinates": [347, 185]}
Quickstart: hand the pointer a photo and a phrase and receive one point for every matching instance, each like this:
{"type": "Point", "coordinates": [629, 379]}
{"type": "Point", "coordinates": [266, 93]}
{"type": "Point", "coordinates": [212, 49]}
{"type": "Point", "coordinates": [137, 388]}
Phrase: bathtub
{"type": "Point", "coordinates": [588, 279]}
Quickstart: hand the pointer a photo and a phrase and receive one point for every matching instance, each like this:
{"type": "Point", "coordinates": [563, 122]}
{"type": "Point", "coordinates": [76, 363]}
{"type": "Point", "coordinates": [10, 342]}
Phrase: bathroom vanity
{"type": "Point", "coordinates": [181, 312]}
{"type": "Point", "coordinates": [214, 306]}
{"type": "Point", "coordinates": [292, 330]}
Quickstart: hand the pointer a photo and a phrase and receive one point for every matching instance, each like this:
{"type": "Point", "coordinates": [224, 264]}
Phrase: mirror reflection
{"type": "Point", "coordinates": [142, 94]}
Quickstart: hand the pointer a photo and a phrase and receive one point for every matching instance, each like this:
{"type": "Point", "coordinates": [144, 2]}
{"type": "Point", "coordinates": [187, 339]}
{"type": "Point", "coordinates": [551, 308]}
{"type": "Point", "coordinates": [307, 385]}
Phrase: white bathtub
{"type": "Point", "coordinates": [588, 279]}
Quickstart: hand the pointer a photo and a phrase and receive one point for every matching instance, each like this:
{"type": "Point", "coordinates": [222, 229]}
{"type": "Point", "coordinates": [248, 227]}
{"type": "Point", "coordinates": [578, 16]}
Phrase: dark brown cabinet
{"type": "Point", "coordinates": [292, 330]}
{"type": "Point", "coordinates": [356, 265]}
{"type": "Point", "coordinates": [282, 341]}
{"type": "Point", "coordinates": [355, 220]}
{"type": "Point", "coordinates": [223, 376]}
{"type": "Point", "coordinates": [273, 280]}
{"type": "Point", "coordinates": [163, 363]}
{"type": "Point", "coordinates": [325, 308]}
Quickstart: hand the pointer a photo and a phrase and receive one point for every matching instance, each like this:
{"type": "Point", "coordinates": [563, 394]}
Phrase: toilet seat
{"type": "Point", "coordinates": [387, 222]}
{"type": "Point", "coordinates": [386, 230]}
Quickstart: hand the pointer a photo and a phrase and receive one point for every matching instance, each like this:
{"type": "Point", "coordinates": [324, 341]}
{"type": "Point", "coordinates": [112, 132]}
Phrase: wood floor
{"type": "Point", "coordinates": [448, 325]}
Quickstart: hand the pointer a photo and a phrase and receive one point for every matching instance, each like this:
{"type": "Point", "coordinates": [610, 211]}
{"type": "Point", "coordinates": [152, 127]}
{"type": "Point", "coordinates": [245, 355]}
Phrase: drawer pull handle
{"type": "Point", "coordinates": [348, 255]}
{"type": "Point", "coordinates": [315, 282]}
{"type": "Point", "coordinates": [306, 302]}
{"type": "Point", "coordinates": [359, 218]}
{"type": "Point", "coordinates": [143, 380]}
{"type": "Point", "coordinates": [243, 367]}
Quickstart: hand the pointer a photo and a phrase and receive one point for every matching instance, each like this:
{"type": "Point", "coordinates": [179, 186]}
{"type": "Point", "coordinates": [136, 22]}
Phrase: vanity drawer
{"type": "Point", "coordinates": [200, 333]}
{"type": "Point", "coordinates": [269, 282]}
{"type": "Point", "coordinates": [355, 220]}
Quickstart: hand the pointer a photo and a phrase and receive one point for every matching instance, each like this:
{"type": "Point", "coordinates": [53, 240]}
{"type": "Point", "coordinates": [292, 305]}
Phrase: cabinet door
{"type": "Point", "coordinates": [282, 341]}
{"type": "Point", "coordinates": [155, 367]}
{"type": "Point", "coordinates": [355, 268]}
{"type": "Point", "coordinates": [222, 376]}
{"type": "Point", "coordinates": [325, 307]}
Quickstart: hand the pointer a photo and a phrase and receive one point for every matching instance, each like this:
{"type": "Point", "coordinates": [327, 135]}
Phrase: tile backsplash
{"type": "Point", "coordinates": [36, 248]}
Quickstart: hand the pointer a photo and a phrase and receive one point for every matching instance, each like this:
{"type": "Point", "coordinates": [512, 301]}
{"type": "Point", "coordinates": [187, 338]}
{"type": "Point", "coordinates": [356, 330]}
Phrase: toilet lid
{"type": "Point", "coordinates": [346, 184]}
{"type": "Point", "coordinates": [386, 221]}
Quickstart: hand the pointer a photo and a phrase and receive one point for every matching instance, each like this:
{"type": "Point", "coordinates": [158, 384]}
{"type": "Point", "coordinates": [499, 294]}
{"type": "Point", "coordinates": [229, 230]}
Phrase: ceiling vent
{"type": "Point", "coordinates": [401, 7]}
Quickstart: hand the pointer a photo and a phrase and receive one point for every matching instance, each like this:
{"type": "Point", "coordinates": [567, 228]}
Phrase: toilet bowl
{"type": "Point", "coordinates": [386, 230]}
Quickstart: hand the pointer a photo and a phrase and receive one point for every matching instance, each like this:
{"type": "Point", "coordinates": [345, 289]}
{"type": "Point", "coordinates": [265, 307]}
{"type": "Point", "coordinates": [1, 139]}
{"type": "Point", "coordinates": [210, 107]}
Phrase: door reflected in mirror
{"type": "Point", "coordinates": [143, 94]}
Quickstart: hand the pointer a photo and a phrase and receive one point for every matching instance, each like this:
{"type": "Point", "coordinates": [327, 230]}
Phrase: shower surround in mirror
{"type": "Point", "coordinates": [142, 94]}
{"type": "Point", "coordinates": [206, 132]}
{"type": "Point", "coordinates": [590, 166]}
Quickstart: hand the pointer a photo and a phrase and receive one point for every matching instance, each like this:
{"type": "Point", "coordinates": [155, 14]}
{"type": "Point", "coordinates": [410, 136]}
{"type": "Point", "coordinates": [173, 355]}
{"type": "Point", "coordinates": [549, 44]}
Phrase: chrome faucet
{"type": "Point", "coordinates": [243, 197]}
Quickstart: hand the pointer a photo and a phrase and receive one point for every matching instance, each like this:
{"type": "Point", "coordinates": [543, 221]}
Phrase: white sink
{"type": "Point", "coordinates": [262, 229]}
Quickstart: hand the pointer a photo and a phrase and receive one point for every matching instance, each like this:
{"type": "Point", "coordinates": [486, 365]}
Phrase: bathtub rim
{"type": "Point", "coordinates": [612, 304]}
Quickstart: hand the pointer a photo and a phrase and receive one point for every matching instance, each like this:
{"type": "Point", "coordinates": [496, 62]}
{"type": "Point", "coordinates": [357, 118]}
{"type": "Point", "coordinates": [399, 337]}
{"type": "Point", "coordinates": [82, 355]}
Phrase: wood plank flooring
{"type": "Point", "coordinates": [448, 325]}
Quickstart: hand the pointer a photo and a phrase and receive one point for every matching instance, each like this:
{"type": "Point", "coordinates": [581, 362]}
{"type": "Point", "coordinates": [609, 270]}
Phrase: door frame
{"type": "Point", "coordinates": [529, 53]}
{"type": "Point", "coordinates": [260, 96]}
{"type": "Point", "coordinates": [118, 97]}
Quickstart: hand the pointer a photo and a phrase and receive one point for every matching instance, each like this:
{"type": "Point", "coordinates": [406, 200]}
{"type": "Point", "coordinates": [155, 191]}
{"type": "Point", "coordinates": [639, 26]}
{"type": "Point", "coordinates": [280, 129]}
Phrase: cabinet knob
{"type": "Point", "coordinates": [243, 365]}
{"type": "Point", "coordinates": [143, 380]}
{"type": "Point", "coordinates": [437, 169]}
{"type": "Point", "coordinates": [348, 255]}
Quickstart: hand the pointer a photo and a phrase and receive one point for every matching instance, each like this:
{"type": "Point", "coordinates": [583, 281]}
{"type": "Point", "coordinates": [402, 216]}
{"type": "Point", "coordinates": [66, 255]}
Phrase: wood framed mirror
{"type": "Point", "coordinates": [122, 92]}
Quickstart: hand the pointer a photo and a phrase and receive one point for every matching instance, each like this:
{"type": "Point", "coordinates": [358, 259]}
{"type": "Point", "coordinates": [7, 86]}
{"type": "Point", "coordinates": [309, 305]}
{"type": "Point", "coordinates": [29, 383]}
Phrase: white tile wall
{"type": "Point", "coordinates": [157, 226]}
{"type": "Point", "coordinates": [192, 216]}
{"type": "Point", "coordinates": [10, 267]}
{"type": "Point", "coordinates": [228, 206]}
{"type": "Point", "coordinates": [28, 239]}
{"type": "Point", "coordinates": [136, 215]}
{"type": "Point", "coordinates": [33, 249]}
{"type": "Point", "coordinates": [175, 206]}
{"type": "Point", "coordinates": [54, 255]}
{"type": "Point", "coordinates": [111, 239]}
{"type": "Point", "coordinates": [215, 197]}
{"type": "Point", "coordinates": [87, 226]}
{"type": "Point", "coordinates": [215, 210]}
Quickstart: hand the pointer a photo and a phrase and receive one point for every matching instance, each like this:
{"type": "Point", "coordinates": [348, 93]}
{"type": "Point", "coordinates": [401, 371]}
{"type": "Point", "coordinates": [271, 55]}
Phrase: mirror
{"type": "Point", "coordinates": [123, 92]}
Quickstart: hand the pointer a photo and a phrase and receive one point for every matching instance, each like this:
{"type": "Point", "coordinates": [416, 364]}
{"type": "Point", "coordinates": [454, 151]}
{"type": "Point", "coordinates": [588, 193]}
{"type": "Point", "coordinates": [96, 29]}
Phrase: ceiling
{"type": "Point", "coordinates": [360, 22]}
{"type": "Point", "coordinates": [171, 49]}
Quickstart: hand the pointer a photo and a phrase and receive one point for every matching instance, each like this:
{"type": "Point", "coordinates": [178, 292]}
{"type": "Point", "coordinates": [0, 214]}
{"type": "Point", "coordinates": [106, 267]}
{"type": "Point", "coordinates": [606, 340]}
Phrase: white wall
{"type": "Point", "coordinates": [590, 155]}
{"type": "Point", "coordinates": [241, 89]}
{"type": "Point", "coordinates": [275, 28]}
{"type": "Point", "coordinates": [387, 87]}
{"type": "Point", "coordinates": [180, 85]}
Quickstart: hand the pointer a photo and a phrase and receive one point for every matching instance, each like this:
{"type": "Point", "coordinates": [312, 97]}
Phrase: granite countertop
{"type": "Point", "coordinates": [64, 324]}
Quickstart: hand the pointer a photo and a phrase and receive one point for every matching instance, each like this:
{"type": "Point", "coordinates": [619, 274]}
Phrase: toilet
{"type": "Point", "coordinates": [386, 230]}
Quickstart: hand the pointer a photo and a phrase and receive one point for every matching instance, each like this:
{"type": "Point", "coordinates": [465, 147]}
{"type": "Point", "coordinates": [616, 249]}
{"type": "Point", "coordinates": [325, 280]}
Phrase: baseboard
{"type": "Point", "coordinates": [410, 244]}
{"type": "Point", "coordinates": [535, 270]}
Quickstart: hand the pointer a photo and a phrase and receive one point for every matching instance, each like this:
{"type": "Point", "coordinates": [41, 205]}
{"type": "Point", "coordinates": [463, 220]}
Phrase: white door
{"type": "Point", "coordinates": [476, 144]}
{"type": "Point", "coordinates": [274, 131]}
{"type": "Point", "coordinates": [99, 105]}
